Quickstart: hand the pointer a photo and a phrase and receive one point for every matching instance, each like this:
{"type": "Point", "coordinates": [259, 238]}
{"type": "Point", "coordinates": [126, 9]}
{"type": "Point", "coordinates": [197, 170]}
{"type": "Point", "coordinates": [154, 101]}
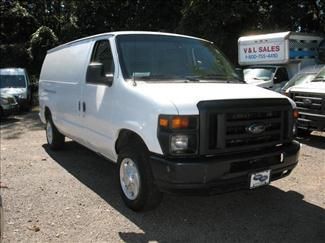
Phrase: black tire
{"type": "Point", "coordinates": [1, 114]}
{"type": "Point", "coordinates": [1, 219]}
{"type": "Point", "coordinates": [148, 196]}
{"type": "Point", "coordinates": [56, 141]}
{"type": "Point", "coordinates": [304, 133]}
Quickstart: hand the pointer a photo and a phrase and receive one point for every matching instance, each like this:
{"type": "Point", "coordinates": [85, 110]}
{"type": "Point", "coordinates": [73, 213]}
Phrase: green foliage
{"type": "Point", "coordinates": [30, 28]}
{"type": "Point", "coordinates": [14, 55]}
{"type": "Point", "coordinates": [16, 23]}
{"type": "Point", "coordinates": [42, 40]}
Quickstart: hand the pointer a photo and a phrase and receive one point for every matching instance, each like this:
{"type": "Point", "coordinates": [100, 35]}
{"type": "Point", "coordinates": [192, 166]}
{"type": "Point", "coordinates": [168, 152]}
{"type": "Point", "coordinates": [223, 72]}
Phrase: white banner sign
{"type": "Point", "coordinates": [256, 53]}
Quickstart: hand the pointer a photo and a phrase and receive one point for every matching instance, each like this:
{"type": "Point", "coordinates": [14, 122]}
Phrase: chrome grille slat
{"type": "Point", "coordinates": [315, 104]}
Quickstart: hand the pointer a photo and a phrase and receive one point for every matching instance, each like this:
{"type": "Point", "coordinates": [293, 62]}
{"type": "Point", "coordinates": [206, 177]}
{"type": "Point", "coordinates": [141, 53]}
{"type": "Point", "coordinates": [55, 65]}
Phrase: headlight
{"type": "Point", "coordinates": [21, 96]}
{"type": "Point", "coordinates": [178, 135]}
{"type": "Point", "coordinates": [4, 101]}
{"type": "Point", "coordinates": [178, 143]}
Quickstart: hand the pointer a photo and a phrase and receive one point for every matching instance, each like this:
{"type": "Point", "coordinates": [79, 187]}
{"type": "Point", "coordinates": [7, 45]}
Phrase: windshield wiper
{"type": "Point", "coordinates": [257, 78]}
{"type": "Point", "coordinates": [191, 78]}
{"type": "Point", "coordinates": [155, 77]}
{"type": "Point", "coordinates": [214, 76]}
{"type": "Point", "coordinates": [187, 78]}
{"type": "Point", "coordinates": [222, 78]}
{"type": "Point", "coordinates": [163, 77]}
{"type": "Point", "coordinates": [320, 79]}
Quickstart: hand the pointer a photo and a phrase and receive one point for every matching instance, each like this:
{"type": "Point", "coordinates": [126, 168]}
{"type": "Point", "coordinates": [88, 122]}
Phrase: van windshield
{"type": "Point", "coordinates": [320, 77]}
{"type": "Point", "coordinates": [12, 81]}
{"type": "Point", "coordinates": [172, 58]}
{"type": "Point", "coordinates": [299, 79]}
{"type": "Point", "coordinates": [256, 73]}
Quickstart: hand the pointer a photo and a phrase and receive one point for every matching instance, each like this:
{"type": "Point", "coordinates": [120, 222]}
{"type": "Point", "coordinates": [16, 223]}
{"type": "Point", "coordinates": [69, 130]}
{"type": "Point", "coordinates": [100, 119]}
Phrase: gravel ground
{"type": "Point", "coordinates": [72, 196]}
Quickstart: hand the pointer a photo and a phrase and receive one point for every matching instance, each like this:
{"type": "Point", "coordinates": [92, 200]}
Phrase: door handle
{"type": "Point", "coordinates": [83, 106]}
{"type": "Point", "coordinates": [79, 105]}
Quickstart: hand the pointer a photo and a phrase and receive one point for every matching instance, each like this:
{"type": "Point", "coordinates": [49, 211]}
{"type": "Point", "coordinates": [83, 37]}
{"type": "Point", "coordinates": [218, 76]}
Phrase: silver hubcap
{"type": "Point", "coordinates": [129, 178]}
{"type": "Point", "coordinates": [49, 132]}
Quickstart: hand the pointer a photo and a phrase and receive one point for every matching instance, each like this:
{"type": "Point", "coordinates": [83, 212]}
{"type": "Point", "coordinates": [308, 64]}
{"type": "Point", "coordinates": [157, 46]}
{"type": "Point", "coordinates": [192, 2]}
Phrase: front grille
{"type": "Point", "coordinates": [309, 102]}
{"type": "Point", "coordinates": [230, 126]}
{"type": "Point", "coordinates": [11, 100]}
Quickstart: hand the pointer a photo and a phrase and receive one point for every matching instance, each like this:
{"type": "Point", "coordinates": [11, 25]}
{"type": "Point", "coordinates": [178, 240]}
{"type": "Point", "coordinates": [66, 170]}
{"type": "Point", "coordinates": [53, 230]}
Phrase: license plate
{"type": "Point", "coordinates": [260, 179]}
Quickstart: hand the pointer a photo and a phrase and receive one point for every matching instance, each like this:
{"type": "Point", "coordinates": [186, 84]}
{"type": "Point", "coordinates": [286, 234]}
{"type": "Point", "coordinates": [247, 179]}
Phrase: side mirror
{"type": "Point", "coordinates": [95, 74]}
{"type": "Point", "coordinates": [277, 80]}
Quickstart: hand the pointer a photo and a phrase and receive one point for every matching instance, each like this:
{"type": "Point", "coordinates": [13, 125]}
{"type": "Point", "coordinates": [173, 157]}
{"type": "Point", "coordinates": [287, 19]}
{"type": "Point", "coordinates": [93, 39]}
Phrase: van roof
{"type": "Point", "coordinates": [116, 33]}
{"type": "Point", "coordinates": [12, 71]}
{"type": "Point", "coordinates": [279, 35]}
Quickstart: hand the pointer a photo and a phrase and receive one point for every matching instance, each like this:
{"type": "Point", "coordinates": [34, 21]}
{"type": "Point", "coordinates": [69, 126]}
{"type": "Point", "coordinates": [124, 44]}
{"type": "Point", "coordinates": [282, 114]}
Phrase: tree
{"type": "Point", "coordinates": [225, 21]}
{"type": "Point", "coordinates": [42, 40]}
{"type": "Point", "coordinates": [40, 25]}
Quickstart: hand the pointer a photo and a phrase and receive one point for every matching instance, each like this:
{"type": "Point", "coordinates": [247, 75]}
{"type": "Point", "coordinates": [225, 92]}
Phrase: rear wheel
{"type": "Point", "coordinates": [137, 187]}
{"type": "Point", "coordinates": [54, 138]}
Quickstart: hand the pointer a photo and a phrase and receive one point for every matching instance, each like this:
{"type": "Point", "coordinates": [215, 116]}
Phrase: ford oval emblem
{"type": "Point", "coordinates": [307, 101]}
{"type": "Point", "coordinates": [256, 128]}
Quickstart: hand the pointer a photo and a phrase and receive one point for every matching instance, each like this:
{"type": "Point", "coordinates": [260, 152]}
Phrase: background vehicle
{"type": "Point", "coordinates": [15, 81]}
{"type": "Point", "coordinates": [8, 105]}
{"type": "Point", "coordinates": [306, 75]}
{"type": "Point", "coordinates": [270, 60]}
{"type": "Point", "coordinates": [310, 100]}
{"type": "Point", "coordinates": [170, 110]}
{"type": "Point", "coordinates": [321, 52]}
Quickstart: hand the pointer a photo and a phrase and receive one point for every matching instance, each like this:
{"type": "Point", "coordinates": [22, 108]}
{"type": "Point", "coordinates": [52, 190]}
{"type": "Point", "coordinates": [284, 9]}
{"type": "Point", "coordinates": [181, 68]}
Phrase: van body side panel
{"type": "Point", "coordinates": [60, 89]}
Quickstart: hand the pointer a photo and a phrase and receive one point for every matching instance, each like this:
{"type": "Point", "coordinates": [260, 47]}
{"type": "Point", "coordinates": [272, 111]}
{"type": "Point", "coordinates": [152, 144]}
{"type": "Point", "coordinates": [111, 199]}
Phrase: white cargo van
{"type": "Point", "coordinates": [170, 110]}
{"type": "Point", "coordinates": [270, 60]}
{"type": "Point", "coordinates": [15, 82]}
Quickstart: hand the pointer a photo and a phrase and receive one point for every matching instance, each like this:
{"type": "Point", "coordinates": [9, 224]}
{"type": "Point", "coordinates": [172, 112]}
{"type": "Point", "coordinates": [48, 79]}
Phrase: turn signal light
{"type": "Point", "coordinates": [163, 122]}
{"type": "Point", "coordinates": [295, 114]}
{"type": "Point", "coordinates": [179, 122]}
{"type": "Point", "coordinates": [176, 122]}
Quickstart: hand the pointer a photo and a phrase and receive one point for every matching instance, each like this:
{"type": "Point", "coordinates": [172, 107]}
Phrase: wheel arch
{"type": "Point", "coordinates": [47, 112]}
{"type": "Point", "coordinates": [127, 136]}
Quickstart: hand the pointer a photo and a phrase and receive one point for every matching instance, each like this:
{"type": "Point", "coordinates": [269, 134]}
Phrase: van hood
{"type": "Point", "coordinates": [13, 91]}
{"type": "Point", "coordinates": [186, 96]}
{"type": "Point", "coordinates": [313, 87]}
{"type": "Point", "coordinates": [258, 82]}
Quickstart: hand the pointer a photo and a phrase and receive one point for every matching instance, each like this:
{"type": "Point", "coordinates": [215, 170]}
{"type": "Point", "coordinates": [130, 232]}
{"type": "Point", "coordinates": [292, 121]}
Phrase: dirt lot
{"type": "Point", "coordinates": [72, 196]}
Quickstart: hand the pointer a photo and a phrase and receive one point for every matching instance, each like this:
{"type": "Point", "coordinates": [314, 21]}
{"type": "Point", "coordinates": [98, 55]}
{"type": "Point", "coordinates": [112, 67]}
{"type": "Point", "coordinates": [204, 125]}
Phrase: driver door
{"type": "Point", "coordinates": [97, 101]}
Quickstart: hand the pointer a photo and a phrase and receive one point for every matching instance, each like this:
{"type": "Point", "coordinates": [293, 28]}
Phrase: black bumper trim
{"type": "Point", "coordinates": [215, 175]}
{"type": "Point", "coordinates": [11, 111]}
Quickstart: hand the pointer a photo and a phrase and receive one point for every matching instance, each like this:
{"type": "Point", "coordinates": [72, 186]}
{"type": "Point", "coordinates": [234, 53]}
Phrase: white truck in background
{"type": "Point", "coordinates": [270, 60]}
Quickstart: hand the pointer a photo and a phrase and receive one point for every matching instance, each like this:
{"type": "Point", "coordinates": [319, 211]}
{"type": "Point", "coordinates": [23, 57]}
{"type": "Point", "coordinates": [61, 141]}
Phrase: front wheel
{"type": "Point", "coordinates": [54, 138]}
{"type": "Point", "coordinates": [136, 182]}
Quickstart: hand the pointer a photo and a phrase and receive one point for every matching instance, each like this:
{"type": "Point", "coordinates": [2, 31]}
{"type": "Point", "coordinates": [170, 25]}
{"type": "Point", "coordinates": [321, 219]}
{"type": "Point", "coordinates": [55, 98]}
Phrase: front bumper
{"type": "Point", "coordinates": [23, 102]}
{"type": "Point", "coordinates": [222, 173]}
{"type": "Point", "coordinates": [311, 122]}
{"type": "Point", "coordinates": [10, 109]}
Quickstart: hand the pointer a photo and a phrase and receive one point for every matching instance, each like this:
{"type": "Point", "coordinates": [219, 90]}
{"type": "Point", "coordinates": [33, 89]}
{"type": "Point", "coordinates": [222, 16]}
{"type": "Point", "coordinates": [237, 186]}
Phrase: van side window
{"type": "Point", "coordinates": [281, 75]}
{"type": "Point", "coordinates": [101, 67]}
